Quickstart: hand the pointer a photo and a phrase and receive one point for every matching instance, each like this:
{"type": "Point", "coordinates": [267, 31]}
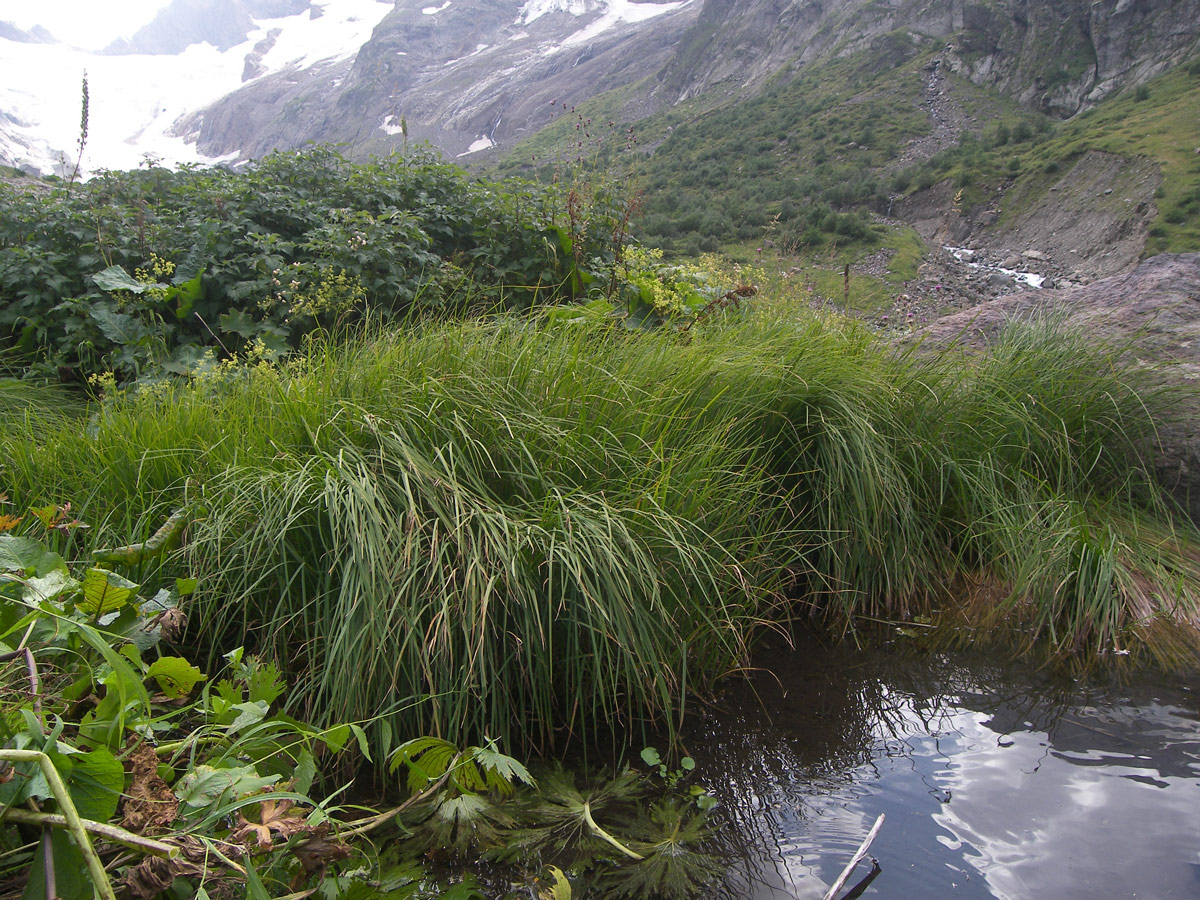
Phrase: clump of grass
{"type": "Point", "coordinates": [546, 532]}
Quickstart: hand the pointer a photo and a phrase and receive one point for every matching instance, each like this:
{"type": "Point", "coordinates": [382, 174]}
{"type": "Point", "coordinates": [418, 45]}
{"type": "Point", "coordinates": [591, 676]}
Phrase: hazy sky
{"type": "Point", "coordinates": [90, 24]}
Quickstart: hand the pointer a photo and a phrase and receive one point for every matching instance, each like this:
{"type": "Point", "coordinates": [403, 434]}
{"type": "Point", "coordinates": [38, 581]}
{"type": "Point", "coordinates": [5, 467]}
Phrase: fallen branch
{"type": "Point", "coordinates": [855, 859]}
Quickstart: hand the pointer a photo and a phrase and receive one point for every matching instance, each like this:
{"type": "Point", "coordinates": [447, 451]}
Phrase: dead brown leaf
{"type": "Point", "coordinates": [316, 853]}
{"type": "Point", "coordinates": [171, 623]}
{"type": "Point", "coordinates": [275, 817]}
{"type": "Point", "coordinates": [149, 878]}
{"type": "Point", "coordinates": [149, 803]}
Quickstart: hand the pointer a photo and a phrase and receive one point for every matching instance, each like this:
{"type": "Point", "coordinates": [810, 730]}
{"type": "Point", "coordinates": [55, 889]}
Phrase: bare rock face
{"type": "Point", "coordinates": [1154, 309]}
{"type": "Point", "coordinates": [1061, 56]}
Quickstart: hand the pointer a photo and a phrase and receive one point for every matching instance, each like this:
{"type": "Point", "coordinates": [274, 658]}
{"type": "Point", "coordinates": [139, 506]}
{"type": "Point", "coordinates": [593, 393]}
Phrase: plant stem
{"type": "Point", "coordinates": [113, 833]}
{"type": "Point", "coordinates": [70, 816]}
{"type": "Point", "coordinates": [362, 826]}
{"type": "Point", "coordinates": [604, 835]}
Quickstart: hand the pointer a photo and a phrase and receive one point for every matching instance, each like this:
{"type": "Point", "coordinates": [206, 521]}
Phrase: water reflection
{"type": "Point", "coordinates": [996, 782]}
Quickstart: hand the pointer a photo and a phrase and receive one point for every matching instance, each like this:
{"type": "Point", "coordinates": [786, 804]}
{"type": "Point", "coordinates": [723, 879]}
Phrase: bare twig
{"type": "Point", "coordinates": [855, 859]}
{"type": "Point", "coordinates": [362, 826]}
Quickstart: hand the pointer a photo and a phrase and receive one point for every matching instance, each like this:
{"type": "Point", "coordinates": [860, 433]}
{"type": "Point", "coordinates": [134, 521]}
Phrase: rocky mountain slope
{"type": "Point", "coordinates": [476, 73]}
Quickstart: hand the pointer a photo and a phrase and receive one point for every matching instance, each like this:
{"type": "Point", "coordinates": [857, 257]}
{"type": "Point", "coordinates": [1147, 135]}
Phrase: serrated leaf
{"type": "Point", "coordinates": [238, 322]}
{"type": "Point", "coordinates": [264, 682]}
{"type": "Point", "coordinates": [105, 592]}
{"type": "Point", "coordinates": [559, 887]}
{"type": "Point", "coordinates": [462, 809]}
{"type": "Point", "coordinates": [175, 676]}
{"type": "Point", "coordinates": [499, 766]}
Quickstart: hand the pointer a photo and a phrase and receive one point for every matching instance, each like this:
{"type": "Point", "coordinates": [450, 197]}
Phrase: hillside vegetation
{"type": "Point", "coordinates": [815, 163]}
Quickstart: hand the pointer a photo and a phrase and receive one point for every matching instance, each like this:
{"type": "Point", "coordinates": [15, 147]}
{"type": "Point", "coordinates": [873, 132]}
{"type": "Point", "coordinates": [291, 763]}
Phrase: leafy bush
{"type": "Point", "coordinates": [224, 261]}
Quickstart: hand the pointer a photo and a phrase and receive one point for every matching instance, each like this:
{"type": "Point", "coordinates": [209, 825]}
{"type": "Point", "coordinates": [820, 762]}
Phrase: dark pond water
{"type": "Point", "coordinates": [996, 782]}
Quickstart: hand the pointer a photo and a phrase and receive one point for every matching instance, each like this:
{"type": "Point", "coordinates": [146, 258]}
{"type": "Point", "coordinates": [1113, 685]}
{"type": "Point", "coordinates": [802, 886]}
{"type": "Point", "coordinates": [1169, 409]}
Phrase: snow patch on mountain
{"type": "Point", "coordinates": [135, 99]}
{"type": "Point", "coordinates": [535, 9]}
{"type": "Point", "coordinates": [620, 12]}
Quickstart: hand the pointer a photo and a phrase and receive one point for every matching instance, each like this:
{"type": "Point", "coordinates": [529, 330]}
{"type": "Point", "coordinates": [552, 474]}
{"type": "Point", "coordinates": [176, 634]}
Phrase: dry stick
{"type": "Point", "coordinates": [113, 833]}
{"type": "Point", "coordinates": [855, 859]}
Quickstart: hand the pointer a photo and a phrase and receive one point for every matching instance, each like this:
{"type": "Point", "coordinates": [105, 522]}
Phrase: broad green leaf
{"type": "Point", "coordinates": [427, 759]}
{"type": "Point", "coordinates": [71, 879]}
{"type": "Point", "coordinates": [120, 328]}
{"type": "Point", "coordinates": [185, 587]}
{"type": "Point", "coordinates": [221, 704]}
{"type": "Point", "coordinates": [186, 293]}
{"type": "Point", "coordinates": [651, 757]}
{"type": "Point", "coordinates": [105, 592]}
{"type": "Point", "coordinates": [305, 771]}
{"type": "Point", "coordinates": [205, 785]}
{"type": "Point", "coordinates": [364, 746]}
{"type": "Point", "coordinates": [20, 554]}
{"type": "Point", "coordinates": [238, 322]}
{"type": "Point", "coordinates": [115, 278]}
{"type": "Point", "coordinates": [186, 359]}
{"type": "Point", "coordinates": [95, 784]}
{"type": "Point", "coordinates": [48, 587]}
{"type": "Point", "coordinates": [249, 713]}
{"type": "Point", "coordinates": [175, 675]}
{"type": "Point", "coordinates": [335, 739]}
